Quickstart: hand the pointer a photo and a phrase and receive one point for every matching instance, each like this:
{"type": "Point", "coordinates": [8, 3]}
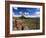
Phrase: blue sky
{"type": "Point", "coordinates": [25, 11]}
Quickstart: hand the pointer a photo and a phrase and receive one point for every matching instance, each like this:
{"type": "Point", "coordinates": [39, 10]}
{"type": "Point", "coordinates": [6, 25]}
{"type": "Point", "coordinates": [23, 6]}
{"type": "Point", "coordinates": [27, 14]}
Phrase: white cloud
{"type": "Point", "coordinates": [13, 14]}
{"type": "Point", "coordinates": [26, 13]}
{"type": "Point", "coordinates": [32, 16]}
{"type": "Point", "coordinates": [17, 16]}
{"type": "Point", "coordinates": [15, 8]}
{"type": "Point", "coordinates": [37, 13]}
{"type": "Point", "coordinates": [20, 12]}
